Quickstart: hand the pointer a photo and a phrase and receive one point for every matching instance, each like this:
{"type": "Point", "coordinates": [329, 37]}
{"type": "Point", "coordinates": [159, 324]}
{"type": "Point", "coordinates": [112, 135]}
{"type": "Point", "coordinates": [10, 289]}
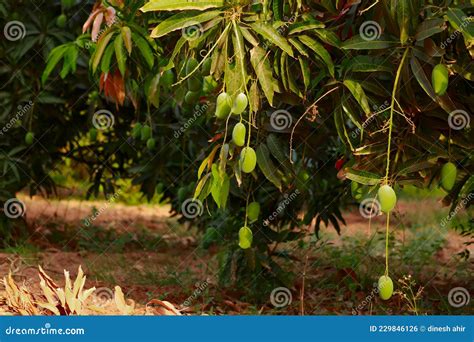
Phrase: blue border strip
{"type": "Point", "coordinates": [238, 328]}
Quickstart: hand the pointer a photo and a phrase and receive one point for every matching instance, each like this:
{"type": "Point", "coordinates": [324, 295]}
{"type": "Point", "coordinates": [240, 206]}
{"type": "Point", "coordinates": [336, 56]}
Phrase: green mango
{"type": "Point", "coordinates": [145, 132]}
{"type": "Point", "coordinates": [245, 237]}
{"type": "Point", "coordinates": [61, 21]}
{"type": "Point", "coordinates": [206, 66]}
{"type": "Point", "coordinates": [238, 134]}
{"type": "Point", "coordinates": [29, 138]}
{"type": "Point", "coordinates": [136, 130]}
{"type": "Point", "coordinates": [167, 79]}
{"type": "Point", "coordinates": [240, 104]}
{"type": "Point", "coordinates": [385, 287]}
{"type": "Point", "coordinates": [150, 144]}
{"type": "Point", "coordinates": [223, 106]}
{"type": "Point", "coordinates": [387, 198]}
{"type": "Point", "coordinates": [440, 79]}
{"type": "Point", "coordinates": [248, 159]}
{"type": "Point", "coordinates": [253, 211]}
{"type": "Point", "coordinates": [448, 176]}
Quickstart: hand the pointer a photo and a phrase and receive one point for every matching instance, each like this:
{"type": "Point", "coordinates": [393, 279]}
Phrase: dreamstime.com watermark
{"type": "Point", "coordinates": [89, 220]}
{"type": "Point", "coordinates": [464, 22]}
{"type": "Point", "coordinates": [199, 110]}
{"type": "Point", "coordinates": [46, 330]}
{"type": "Point", "coordinates": [200, 288]}
{"type": "Point", "coordinates": [281, 207]}
{"type": "Point", "coordinates": [461, 205]}
{"type": "Point", "coordinates": [377, 109]}
{"type": "Point", "coordinates": [22, 110]}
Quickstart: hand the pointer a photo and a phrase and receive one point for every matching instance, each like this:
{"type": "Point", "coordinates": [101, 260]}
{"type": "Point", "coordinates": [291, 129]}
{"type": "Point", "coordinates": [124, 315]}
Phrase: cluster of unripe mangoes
{"type": "Point", "coordinates": [199, 81]}
{"type": "Point", "coordinates": [144, 133]}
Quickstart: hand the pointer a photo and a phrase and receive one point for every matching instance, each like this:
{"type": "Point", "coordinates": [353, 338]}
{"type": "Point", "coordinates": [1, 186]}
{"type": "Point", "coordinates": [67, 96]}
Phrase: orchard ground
{"type": "Point", "coordinates": [151, 256]}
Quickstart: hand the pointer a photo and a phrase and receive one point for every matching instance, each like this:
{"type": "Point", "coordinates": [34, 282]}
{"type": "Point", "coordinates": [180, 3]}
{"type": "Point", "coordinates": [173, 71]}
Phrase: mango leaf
{"type": "Point", "coordinates": [266, 165]}
{"type": "Point", "coordinates": [364, 63]}
{"type": "Point", "coordinates": [239, 48]}
{"type": "Point", "coordinates": [272, 35]}
{"type": "Point", "coordinates": [461, 23]}
{"type": "Point", "coordinates": [119, 54]}
{"type": "Point", "coordinates": [328, 36]}
{"type": "Point", "coordinates": [106, 58]}
{"type": "Point", "coordinates": [414, 165]}
{"type": "Point", "coordinates": [356, 90]}
{"type": "Point", "coordinates": [181, 5]}
{"type": "Point", "coordinates": [127, 38]}
{"type": "Point", "coordinates": [444, 101]}
{"type": "Point", "coordinates": [319, 50]}
{"type": "Point", "coordinates": [154, 91]}
{"type": "Point", "coordinates": [201, 184]}
{"type": "Point", "coordinates": [262, 68]}
{"type": "Point", "coordinates": [101, 45]}
{"type": "Point", "coordinates": [305, 71]}
{"type": "Point", "coordinates": [430, 27]}
{"type": "Point", "coordinates": [182, 20]}
{"type": "Point", "coordinates": [362, 177]}
{"type": "Point", "coordinates": [53, 59]}
{"type": "Point", "coordinates": [145, 49]}
{"type": "Point", "coordinates": [359, 43]}
{"type": "Point", "coordinates": [277, 7]}
{"type": "Point", "coordinates": [403, 16]}
{"type": "Point", "coordinates": [304, 26]}
{"type": "Point", "coordinates": [300, 47]}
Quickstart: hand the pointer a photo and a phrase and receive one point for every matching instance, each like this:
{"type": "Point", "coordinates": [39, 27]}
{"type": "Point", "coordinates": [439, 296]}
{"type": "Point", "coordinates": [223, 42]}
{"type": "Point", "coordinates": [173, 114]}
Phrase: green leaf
{"type": "Point", "coordinates": [329, 37]}
{"type": "Point", "coordinates": [359, 43]}
{"type": "Point", "coordinates": [107, 57]}
{"type": "Point", "coordinates": [305, 71]}
{"type": "Point", "coordinates": [127, 38]}
{"type": "Point", "coordinates": [145, 49]}
{"type": "Point", "coordinates": [101, 45]}
{"type": "Point", "coordinates": [53, 59]}
{"type": "Point", "coordinates": [266, 165]}
{"type": "Point", "coordinates": [262, 68]}
{"type": "Point", "coordinates": [363, 63]}
{"type": "Point", "coordinates": [430, 27]}
{"type": "Point", "coordinates": [277, 6]}
{"type": "Point", "coordinates": [319, 50]}
{"type": "Point", "coordinates": [272, 35]}
{"type": "Point", "coordinates": [181, 5]}
{"type": "Point", "coordinates": [182, 20]}
{"type": "Point", "coordinates": [119, 54]}
{"type": "Point", "coordinates": [239, 48]}
{"type": "Point", "coordinates": [300, 47]}
{"type": "Point", "coordinates": [356, 90]}
{"type": "Point", "coordinates": [403, 15]}
{"type": "Point", "coordinates": [363, 177]}
{"type": "Point", "coordinates": [304, 26]}
{"type": "Point", "coordinates": [461, 23]}
{"type": "Point", "coordinates": [154, 91]}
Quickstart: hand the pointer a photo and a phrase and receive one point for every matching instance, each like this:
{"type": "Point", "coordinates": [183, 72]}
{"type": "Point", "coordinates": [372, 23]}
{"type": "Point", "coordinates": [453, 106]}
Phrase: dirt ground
{"type": "Point", "coordinates": [171, 267]}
